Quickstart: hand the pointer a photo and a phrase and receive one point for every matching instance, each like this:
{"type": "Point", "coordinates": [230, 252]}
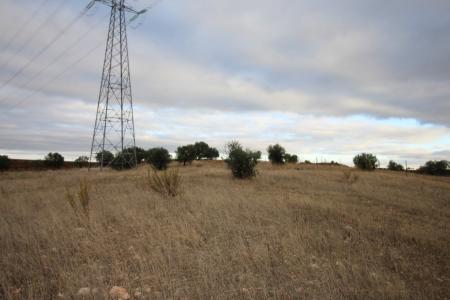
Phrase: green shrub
{"type": "Point", "coordinates": [366, 161]}
{"type": "Point", "coordinates": [104, 158]}
{"type": "Point", "coordinates": [393, 166]}
{"type": "Point", "coordinates": [241, 162]}
{"type": "Point", "coordinates": [276, 154]}
{"type": "Point", "coordinates": [307, 162]}
{"type": "Point", "coordinates": [4, 162]}
{"type": "Point", "coordinates": [82, 162]}
{"type": "Point", "coordinates": [124, 160]}
{"type": "Point", "coordinates": [436, 168]}
{"type": "Point", "coordinates": [292, 159]}
{"type": "Point", "coordinates": [54, 160]}
{"type": "Point", "coordinates": [186, 154]}
{"type": "Point", "coordinates": [159, 158]}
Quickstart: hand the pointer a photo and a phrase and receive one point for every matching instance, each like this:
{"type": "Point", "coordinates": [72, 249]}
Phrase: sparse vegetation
{"type": "Point", "coordinates": [276, 154]}
{"type": "Point", "coordinates": [159, 158]}
{"type": "Point", "coordinates": [54, 160]}
{"type": "Point", "coordinates": [4, 162]}
{"type": "Point", "coordinates": [167, 183]}
{"type": "Point", "coordinates": [436, 168]}
{"type": "Point", "coordinates": [242, 163]}
{"type": "Point", "coordinates": [285, 235]}
{"type": "Point", "coordinates": [366, 161]}
{"type": "Point", "coordinates": [393, 166]}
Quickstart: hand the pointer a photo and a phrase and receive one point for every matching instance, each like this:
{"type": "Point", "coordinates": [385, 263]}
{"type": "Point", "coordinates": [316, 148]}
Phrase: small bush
{"type": "Point", "coordinates": [276, 154]}
{"type": "Point", "coordinates": [366, 161]}
{"type": "Point", "coordinates": [241, 162]}
{"type": "Point", "coordinates": [186, 154]}
{"type": "Point", "coordinates": [292, 159]}
{"type": "Point", "coordinates": [54, 160]}
{"type": "Point", "coordinates": [4, 162]}
{"type": "Point", "coordinates": [82, 162]}
{"type": "Point", "coordinates": [393, 166]}
{"type": "Point", "coordinates": [167, 183]}
{"type": "Point", "coordinates": [104, 158]}
{"type": "Point", "coordinates": [307, 162]}
{"type": "Point", "coordinates": [159, 158]}
{"type": "Point", "coordinates": [436, 168]}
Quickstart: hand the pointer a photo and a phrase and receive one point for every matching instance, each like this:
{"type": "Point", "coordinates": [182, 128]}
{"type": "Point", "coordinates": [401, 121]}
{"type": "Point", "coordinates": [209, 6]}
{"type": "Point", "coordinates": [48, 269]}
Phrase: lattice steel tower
{"type": "Point", "coordinates": [114, 123]}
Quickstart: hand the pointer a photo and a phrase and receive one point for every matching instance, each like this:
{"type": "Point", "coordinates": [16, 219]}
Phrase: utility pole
{"type": "Point", "coordinates": [114, 122]}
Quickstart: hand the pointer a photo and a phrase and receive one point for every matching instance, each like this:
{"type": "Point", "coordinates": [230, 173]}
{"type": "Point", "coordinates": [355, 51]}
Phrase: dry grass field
{"type": "Point", "coordinates": [293, 232]}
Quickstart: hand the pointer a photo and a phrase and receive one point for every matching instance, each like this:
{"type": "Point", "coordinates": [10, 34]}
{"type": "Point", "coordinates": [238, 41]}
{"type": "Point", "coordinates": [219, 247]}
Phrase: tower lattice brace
{"type": "Point", "coordinates": [114, 124]}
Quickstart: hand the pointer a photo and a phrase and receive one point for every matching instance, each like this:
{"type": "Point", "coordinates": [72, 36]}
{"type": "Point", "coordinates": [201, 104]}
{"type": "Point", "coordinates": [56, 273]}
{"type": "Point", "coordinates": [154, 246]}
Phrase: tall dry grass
{"type": "Point", "coordinates": [295, 232]}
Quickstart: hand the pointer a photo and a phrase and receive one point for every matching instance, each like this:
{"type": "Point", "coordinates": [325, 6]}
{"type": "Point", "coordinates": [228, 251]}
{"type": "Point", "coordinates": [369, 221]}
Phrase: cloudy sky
{"type": "Point", "coordinates": [326, 79]}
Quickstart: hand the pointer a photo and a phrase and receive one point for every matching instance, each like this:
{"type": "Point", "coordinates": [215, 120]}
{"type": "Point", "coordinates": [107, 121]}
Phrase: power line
{"type": "Point", "coordinates": [27, 41]}
{"type": "Point", "coordinates": [21, 28]}
{"type": "Point", "coordinates": [66, 69]}
{"type": "Point", "coordinates": [53, 61]}
{"type": "Point", "coordinates": [43, 50]}
{"type": "Point", "coordinates": [54, 78]}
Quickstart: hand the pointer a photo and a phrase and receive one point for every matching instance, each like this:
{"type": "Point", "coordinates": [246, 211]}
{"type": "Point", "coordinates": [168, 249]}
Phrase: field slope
{"type": "Point", "coordinates": [294, 232]}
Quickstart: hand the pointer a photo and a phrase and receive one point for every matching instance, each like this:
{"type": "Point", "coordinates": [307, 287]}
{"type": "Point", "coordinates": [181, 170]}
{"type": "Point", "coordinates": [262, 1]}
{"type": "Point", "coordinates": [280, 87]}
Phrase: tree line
{"type": "Point", "coordinates": [241, 161]}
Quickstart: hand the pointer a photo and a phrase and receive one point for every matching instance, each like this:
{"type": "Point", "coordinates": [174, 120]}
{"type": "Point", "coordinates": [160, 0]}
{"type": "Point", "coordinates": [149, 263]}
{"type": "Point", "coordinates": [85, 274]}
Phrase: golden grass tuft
{"type": "Point", "coordinates": [83, 203]}
{"type": "Point", "coordinates": [167, 183]}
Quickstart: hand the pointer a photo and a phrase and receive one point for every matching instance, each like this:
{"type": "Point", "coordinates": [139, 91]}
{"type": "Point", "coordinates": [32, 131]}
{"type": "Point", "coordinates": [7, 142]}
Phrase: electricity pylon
{"type": "Point", "coordinates": [114, 123]}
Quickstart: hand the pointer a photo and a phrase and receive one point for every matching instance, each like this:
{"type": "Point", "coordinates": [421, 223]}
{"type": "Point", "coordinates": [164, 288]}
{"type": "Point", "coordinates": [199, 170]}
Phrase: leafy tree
{"type": "Point", "coordinates": [82, 161]}
{"type": "Point", "coordinates": [241, 162]}
{"type": "Point", "coordinates": [4, 162]}
{"type": "Point", "coordinates": [255, 155]}
{"type": "Point", "coordinates": [292, 159]}
{"type": "Point", "coordinates": [437, 168]}
{"type": "Point", "coordinates": [366, 161]}
{"type": "Point", "coordinates": [307, 162]}
{"type": "Point", "coordinates": [158, 158]}
{"type": "Point", "coordinates": [276, 154]}
{"type": "Point", "coordinates": [141, 154]}
{"type": "Point", "coordinates": [104, 158]}
{"type": "Point", "coordinates": [212, 153]}
{"type": "Point", "coordinates": [201, 150]}
{"type": "Point", "coordinates": [124, 160]}
{"type": "Point", "coordinates": [54, 160]}
{"type": "Point", "coordinates": [393, 166]}
{"type": "Point", "coordinates": [186, 154]}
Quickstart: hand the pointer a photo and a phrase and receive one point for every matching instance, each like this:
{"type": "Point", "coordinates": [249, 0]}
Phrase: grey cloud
{"type": "Point", "coordinates": [259, 71]}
